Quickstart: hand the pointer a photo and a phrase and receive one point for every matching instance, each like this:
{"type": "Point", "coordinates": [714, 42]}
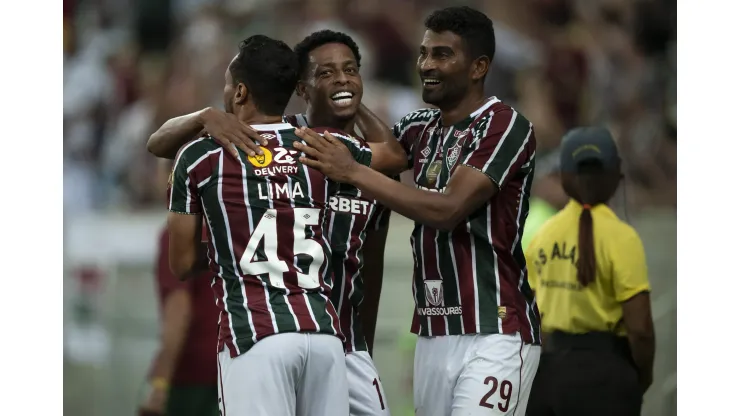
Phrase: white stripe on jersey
{"type": "Point", "coordinates": [500, 142]}
{"type": "Point", "coordinates": [220, 195]}
{"type": "Point", "coordinates": [187, 182]}
{"type": "Point", "coordinates": [519, 152]}
{"type": "Point", "coordinates": [286, 291]}
{"type": "Point", "coordinates": [245, 189]}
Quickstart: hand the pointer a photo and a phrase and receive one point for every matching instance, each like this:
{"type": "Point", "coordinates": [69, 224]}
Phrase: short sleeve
{"type": "Point", "coordinates": [182, 186]}
{"type": "Point", "coordinates": [503, 143]}
{"type": "Point", "coordinates": [629, 267]}
{"type": "Point", "coordinates": [408, 129]}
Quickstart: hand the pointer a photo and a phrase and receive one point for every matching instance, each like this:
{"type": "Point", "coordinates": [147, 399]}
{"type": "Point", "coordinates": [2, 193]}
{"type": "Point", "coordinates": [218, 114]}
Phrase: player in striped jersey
{"type": "Point", "coordinates": [473, 163]}
{"type": "Point", "coordinates": [331, 85]}
{"type": "Point", "coordinates": [280, 349]}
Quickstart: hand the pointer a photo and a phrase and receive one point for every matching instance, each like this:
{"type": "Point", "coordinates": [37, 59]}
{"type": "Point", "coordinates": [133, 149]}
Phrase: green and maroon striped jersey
{"type": "Point", "coordinates": [267, 245]}
{"type": "Point", "coordinates": [351, 214]}
{"type": "Point", "coordinates": [473, 279]}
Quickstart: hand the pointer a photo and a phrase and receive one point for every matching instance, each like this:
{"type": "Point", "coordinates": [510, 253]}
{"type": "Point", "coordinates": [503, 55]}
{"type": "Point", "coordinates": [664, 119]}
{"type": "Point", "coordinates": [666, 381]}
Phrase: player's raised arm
{"type": "Point", "coordinates": [224, 127]}
{"type": "Point", "coordinates": [495, 153]}
{"type": "Point", "coordinates": [389, 155]}
{"type": "Point", "coordinates": [187, 254]}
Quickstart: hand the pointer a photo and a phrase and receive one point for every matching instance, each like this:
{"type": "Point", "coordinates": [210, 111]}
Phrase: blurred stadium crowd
{"type": "Point", "coordinates": [129, 65]}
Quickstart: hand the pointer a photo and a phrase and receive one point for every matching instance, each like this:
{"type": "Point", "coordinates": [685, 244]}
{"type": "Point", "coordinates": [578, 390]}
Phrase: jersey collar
{"type": "Point", "coordinates": [274, 126]}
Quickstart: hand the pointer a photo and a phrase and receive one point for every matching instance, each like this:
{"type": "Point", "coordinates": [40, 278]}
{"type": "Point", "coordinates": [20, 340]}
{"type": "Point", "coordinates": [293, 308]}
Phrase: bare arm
{"type": "Point", "coordinates": [639, 324]}
{"type": "Point", "coordinates": [389, 156]}
{"type": "Point", "coordinates": [224, 127]}
{"type": "Point", "coordinates": [372, 276]}
{"type": "Point", "coordinates": [177, 313]}
{"type": "Point", "coordinates": [467, 190]}
{"type": "Point", "coordinates": [175, 133]}
{"type": "Point", "coordinates": [485, 164]}
{"type": "Point", "coordinates": [187, 254]}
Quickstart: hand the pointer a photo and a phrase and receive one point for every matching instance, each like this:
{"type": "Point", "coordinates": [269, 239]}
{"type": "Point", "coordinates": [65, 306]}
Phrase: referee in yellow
{"type": "Point", "coordinates": [588, 270]}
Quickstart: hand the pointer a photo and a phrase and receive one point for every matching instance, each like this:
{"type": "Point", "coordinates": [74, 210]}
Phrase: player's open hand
{"type": "Point", "coordinates": [326, 154]}
{"type": "Point", "coordinates": [230, 132]}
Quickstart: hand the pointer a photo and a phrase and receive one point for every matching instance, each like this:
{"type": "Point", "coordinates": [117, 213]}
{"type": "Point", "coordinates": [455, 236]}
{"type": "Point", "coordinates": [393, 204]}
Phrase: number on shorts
{"type": "Point", "coordinates": [380, 396]}
{"type": "Point", "coordinates": [504, 392]}
{"type": "Point", "coordinates": [267, 231]}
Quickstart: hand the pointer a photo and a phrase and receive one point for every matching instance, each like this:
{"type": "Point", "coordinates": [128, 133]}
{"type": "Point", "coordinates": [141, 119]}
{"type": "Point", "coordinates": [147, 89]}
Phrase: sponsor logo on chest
{"type": "Point", "coordinates": [275, 162]}
{"type": "Point", "coordinates": [349, 205]}
{"type": "Point", "coordinates": [434, 296]}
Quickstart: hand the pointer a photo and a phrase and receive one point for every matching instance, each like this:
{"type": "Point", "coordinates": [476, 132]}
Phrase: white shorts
{"type": "Point", "coordinates": [456, 375]}
{"type": "Point", "coordinates": [285, 375]}
{"type": "Point", "coordinates": [366, 395]}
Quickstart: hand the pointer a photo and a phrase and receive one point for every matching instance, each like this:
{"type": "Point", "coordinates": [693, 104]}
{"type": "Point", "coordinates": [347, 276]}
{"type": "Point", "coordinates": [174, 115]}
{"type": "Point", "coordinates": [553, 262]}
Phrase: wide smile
{"type": "Point", "coordinates": [431, 83]}
{"type": "Point", "coordinates": [342, 98]}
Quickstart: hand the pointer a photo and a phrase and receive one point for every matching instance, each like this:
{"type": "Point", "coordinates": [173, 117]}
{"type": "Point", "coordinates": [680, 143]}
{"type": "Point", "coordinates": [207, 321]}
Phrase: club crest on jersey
{"type": "Point", "coordinates": [433, 292]}
{"type": "Point", "coordinates": [433, 172]}
{"type": "Point", "coordinates": [460, 134]}
{"type": "Point", "coordinates": [260, 161]}
{"type": "Point", "coordinates": [453, 153]}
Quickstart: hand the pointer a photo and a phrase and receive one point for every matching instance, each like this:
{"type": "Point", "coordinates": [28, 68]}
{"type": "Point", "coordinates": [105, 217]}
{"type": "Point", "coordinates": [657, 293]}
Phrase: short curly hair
{"type": "Point", "coordinates": [474, 27]}
{"type": "Point", "coordinates": [269, 68]}
{"type": "Point", "coordinates": [321, 38]}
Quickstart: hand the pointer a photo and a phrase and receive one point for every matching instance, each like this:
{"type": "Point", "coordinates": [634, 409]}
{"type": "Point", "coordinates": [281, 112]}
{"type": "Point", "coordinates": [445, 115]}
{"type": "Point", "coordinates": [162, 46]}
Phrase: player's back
{"type": "Point", "coordinates": [267, 245]}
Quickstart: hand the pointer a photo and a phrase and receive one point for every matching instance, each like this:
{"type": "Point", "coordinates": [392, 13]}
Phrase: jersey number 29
{"type": "Point", "coordinates": [267, 232]}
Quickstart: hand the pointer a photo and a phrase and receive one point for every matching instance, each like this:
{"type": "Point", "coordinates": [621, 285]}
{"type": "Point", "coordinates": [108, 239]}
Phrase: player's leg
{"type": "Point", "coordinates": [497, 377]}
{"type": "Point", "coordinates": [438, 362]}
{"type": "Point", "coordinates": [263, 380]}
{"type": "Point", "coordinates": [322, 388]}
{"type": "Point", "coordinates": [366, 395]}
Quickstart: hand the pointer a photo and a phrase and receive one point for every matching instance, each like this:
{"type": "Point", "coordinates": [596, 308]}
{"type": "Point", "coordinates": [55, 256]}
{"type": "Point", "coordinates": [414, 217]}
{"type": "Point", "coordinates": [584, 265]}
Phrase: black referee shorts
{"type": "Point", "coordinates": [585, 376]}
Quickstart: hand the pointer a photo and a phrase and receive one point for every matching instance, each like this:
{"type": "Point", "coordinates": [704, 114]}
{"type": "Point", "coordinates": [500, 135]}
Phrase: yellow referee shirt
{"type": "Point", "coordinates": [621, 272]}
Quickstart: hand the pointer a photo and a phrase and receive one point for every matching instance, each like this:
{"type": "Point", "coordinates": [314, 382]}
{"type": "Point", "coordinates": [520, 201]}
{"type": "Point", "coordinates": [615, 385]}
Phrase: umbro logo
{"type": "Point", "coordinates": [426, 151]}
{"type": "Point", "coordinates": [268, 136]}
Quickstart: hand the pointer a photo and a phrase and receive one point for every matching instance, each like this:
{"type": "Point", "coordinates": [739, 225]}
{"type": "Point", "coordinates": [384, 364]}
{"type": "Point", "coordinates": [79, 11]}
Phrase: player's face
{"type": "Point", "coordinates": [443, 67]}
{"type": "Point", "coordinates": [333, 84]}
{"type": "Point", "coordinates": [229, 91]}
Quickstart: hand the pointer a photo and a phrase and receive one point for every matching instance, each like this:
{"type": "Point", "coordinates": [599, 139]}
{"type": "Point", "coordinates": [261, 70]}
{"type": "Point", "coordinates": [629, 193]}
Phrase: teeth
{"type": "Point", "coordinates": [342, 95]}
{"type": "Point", "coordinates": [431, 81]}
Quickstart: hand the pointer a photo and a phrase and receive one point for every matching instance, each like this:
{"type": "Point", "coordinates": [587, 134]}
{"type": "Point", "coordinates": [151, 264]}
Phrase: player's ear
{"type": "Point", "coordinates": [241, 94]}
{"type": "Point", "coordinates": [300, 90]}
{"type": "Point", "coordinates": [479, 68]}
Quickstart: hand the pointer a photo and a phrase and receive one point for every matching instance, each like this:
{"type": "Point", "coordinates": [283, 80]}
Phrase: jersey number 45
{"type": "Point", "coordinates": [267, 233]}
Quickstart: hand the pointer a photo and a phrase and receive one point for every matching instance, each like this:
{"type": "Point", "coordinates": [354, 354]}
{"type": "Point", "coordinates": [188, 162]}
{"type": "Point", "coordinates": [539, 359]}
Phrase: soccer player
{"type": "Point", "coordinates": [280, 344]}
{"type": "Point", "coordinates": [473, 163]}
{"type": "Point", "coordinates": [330, 83]}
{"type": "Point", "coordinates": [183, 379]}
